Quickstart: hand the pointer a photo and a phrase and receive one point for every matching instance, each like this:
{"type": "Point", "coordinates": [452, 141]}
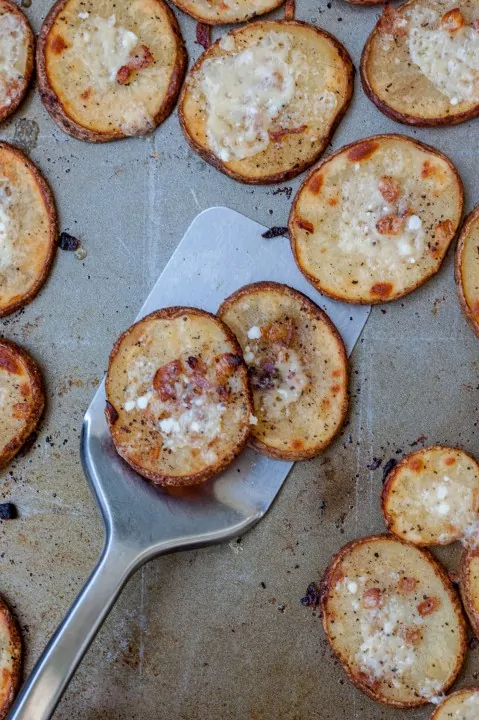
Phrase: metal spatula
{"type": "Point", "coordinates": [142, 521]}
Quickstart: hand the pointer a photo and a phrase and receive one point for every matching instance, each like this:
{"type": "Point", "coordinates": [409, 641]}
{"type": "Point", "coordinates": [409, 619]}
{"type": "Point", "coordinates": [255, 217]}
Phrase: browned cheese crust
{"type": "Point", "coordinates": [326, 87]}
{"type": "Point", "coordinates": [22, 398]}
{"type": "Point", "coordinates": [179, 403]}
{"type": "Point", "coordinates": [297, 366]}
{"type": "Point", "coordinates": [223, 12]}
{"type": "Point", "coordinates": [420, 93]}
{"type": "Point", "coordinates": [10, 658]}
{"type": "Point", "coordinates": [432, 496]}
{"type": "Point", "coordinates": [87, 90]}
{"type": "Point", "coordinates": [373, 221]}
{"type": "Point", "coordinates": [18, 49]}
{"type": "Point", "coordinates": [394, 620]}
{"type": "Point", "coordinates": [30, 221]}
{"type": "Point", "coordinates": [467, 269]}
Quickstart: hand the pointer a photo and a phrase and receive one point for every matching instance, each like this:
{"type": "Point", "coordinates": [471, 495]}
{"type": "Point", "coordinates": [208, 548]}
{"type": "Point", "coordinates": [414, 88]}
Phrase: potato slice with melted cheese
{"type": "Point", "coordinates": [460, 705]}
{"type": "Point", "coordinates": [10, 658]}
{"type": "Point", "coordinates": [17, 44]}
{"type": "Point", "coordinates": [222, 12]}
{"type": "Point", "coordinates": [467, 269]}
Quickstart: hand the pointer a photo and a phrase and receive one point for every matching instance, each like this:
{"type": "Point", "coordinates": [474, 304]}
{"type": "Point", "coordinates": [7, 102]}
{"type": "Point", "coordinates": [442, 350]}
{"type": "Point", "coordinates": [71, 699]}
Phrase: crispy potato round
{"type": "Point", "coordinates": [22, 398]}
{"type": "Point", "coordinates": [109, 69]}
{"type": "Point", "coordinates": [10, 658]}
{"type": "Point", "coordinates": [461, 705]}
{"type": "Point", "coordinates": [218, 12]}
{"type": "Point", "coordinates": [178, 400]}
{"type": "Point", "coordinates": [374, 220]}
{"type": "Point", "coordinates": [17, 49]}
{"type": "Point", "coordinates": [259, 131]}
{"type": "Point", "coordinates": [467, 269]}
{"type": "Point", "coordinates": [432, 496]}
{"type": "Point", "coordinates": [469, 582]}
{"type": "Point", "coordinates": [394, 620]}
{"type": "Point", "coordinates": [297, 367]}
{"type": "Point", "coordinates": [406, 62]}
{"type": "Point", "coordinates": [28, 229]}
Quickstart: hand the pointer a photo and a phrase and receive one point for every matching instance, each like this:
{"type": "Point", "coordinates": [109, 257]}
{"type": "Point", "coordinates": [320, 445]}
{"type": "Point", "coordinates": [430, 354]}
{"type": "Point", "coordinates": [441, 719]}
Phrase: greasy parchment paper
{"type": "Point", "coordinates": [219, 633]}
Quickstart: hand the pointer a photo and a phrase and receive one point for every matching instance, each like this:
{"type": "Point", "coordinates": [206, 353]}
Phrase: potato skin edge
{"type": "Point", "coordinates": [321, 316]}
{"type": "Point", "coordinates": [213, 160]}
{"type": "Point", "coordinates": [471, 218]}
{"type": "Point", "coordinates": [465, 588]}
{"type": "Point", "coordinates": [8, 110]}
{"type": "Point", "coordinates": [325, 587]}
{"type": "Point", "coordinates": [369, 301]}
{"type": "Point", "coordinates": [54, 107]}
{"type": "Point", "coordinates": [16, 641]}
{"type": "Point", "coordinates": [182, 5]}
{"type": "Point", "coordinates": [213, 470]}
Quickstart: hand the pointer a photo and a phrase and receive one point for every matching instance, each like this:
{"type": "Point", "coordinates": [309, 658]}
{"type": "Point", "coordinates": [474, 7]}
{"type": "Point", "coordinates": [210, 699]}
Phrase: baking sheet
{"type": "Point", "coordinates": [218, 633]}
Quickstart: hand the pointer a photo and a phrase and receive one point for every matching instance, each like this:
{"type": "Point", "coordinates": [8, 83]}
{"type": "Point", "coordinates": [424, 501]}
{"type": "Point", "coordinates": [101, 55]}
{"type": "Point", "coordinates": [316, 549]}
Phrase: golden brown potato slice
{"type": "Point", "coordinates": [179, 404]}
{"type": "Point", "coordinates": [394, 620]}
{"type": "Point", "coordinates": [432, 496]}
{"type": "Point", "coordinates": [108, 69]}
{"type": "Point", "coordinates": [374, 220]}
{"type": "Point", "coordinates": [461, 705]}
{"type": "Point", "coordinates": [467, 269]}
{"type": "Point", "coordinates": [17, 46]}
{"type": "Point", "coordinates": [262, 102]}
{"type": "Point", "coordinates": [297, 367]}
{"type": "Point", "coordinates": [222, 12]}
{"type": "Point", "coordinates": [469, 583]}
{"type": "Point", "coordinates": [10, 658]}
{"type": "Point", "coordinates": [419, 65]}
{"type": "Point", "coordinates": [28, 229]}
{"type": "Point", "coordinates": [22, 398]}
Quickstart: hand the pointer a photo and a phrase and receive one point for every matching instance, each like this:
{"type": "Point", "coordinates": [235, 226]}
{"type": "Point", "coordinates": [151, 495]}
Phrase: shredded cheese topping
{"type": "Point", "coordinates": [449, 60]}
{"type": "Point", "coordinates": [104, 47]}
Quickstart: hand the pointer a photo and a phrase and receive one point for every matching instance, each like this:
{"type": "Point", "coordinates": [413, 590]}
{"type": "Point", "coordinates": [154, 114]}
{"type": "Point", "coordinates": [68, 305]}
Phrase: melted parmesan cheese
{"type": "Point", "coordinates": [136, 119]}
{"type": "Point", "coordinates": [12, 55]}
{"type": "Point", "coordinates": [246, 92]}
{"type": "Point", "coordinates": [289, 386]}
{"type": "Point", "coordinates": [362, 207]}
{"type": "Point", "coordinates": [430, 690]}
{"type": "Point", "coordinates": [195, 427]}
{"type": "Point", "coordinates": [104, 47]}
{"type": "Point", "coordinates": [449, 60]}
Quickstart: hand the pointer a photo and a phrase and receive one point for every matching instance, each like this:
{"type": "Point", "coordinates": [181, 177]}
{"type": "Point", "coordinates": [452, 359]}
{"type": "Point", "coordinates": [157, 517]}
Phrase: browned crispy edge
{"type": "Point", "coordinates": [436, 712]}
{"type": "Point", "coordinates": [213, 160]}
{"type": "Point", "coordinates": [391, 480]}
{"type": "Point", "coordinates": [7, 618]}
{"type": "Point", "coordinates": [175, 480]}
{"type": "Point", "coordinates": [49, 204]}
{"type": "Point", "coordinates": [416, 120]}
{"type": "Point", "coordinates": [465, 587]}
{"type": "Point", "coordinates": [37, 402]}
{"type": "Point", "coordinates": [322, 317]}
{"type": "Point", "coordinates": [469, 220]}
{"type": "Point", "coordinates": [55, 108]}
{"type": "Point", "coordinates": [7, 110]}
{"type": "Point", "coordinates": [326, 586]}
{"type": "Point", "coordinates": [291, 225]}
{"type": "Point", "coordinates": [187, 7]}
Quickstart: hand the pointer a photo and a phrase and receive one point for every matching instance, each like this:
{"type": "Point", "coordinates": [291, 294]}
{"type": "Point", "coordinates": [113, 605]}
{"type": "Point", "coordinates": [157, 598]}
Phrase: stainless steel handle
{"type": "Point", "coordinates": [42, 691]}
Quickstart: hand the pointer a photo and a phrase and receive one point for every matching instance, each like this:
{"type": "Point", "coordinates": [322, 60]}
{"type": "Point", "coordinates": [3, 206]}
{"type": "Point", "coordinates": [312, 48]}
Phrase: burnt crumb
{"type": "Point", "coordinates": [282, 607]}
{"type": "Point", "coordinates": [8, 511]}
{"type": "Point", "coordinates": [111, 413]}
{"type": "Point", "coordinates": [473, 643]}
{"type": "Point", "coordinates": [263, 378]}
{"type": "Point", "coordinates": [193, 362]}
{"type": "Point", "coordinates": [203, 35]}
{"type": "Point", "coordinates": [420, 440]}
{"type": "Point", "coordinates": [376, 463]}
{"type": "Point", "coordinates": [322, 508]}
{"type": "Point", "coordinates": [288, 191]}
{"type": "Point", "coordinates": [390, 465]}
{"type": "Point", "coordinates": [311, 599]}
{"type": "Point", "coordinates": [274, 232]}
{"type": "Point", "coordinates": [68, 242]}
{"type": "Point", "coordinates": [263, 585]}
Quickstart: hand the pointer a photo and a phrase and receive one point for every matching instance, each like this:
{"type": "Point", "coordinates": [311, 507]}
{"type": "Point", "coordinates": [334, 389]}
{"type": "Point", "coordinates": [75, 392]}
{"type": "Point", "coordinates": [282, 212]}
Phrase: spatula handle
{"type": "Point", "coordinates": [53, 671]}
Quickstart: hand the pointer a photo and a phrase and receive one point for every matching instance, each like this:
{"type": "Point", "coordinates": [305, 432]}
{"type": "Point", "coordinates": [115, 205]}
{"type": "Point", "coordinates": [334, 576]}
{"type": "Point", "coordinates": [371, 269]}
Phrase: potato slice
{"type": "Point", "coordinates": [262, 103]}
{"type": "Point", "coordinates": [219, 12]}
{"type": "Point", "coordinates": [374, 220]}
{"type": "Point", "coordinates": [108, 69]}
{"type": "Point", "coordinates": [461, 705]}
{"type": "Point", "coordinates": [469, 583]}
{"type": "Point", "coordinates": [28, 229]}
{"type": "Point", "coordinates": [178, 399]}
{"type": "Point", "coordinates": [17, 46]}
{"type": "Point", "coordinates": [297, 367]}
{"type": "Point", "coordinates": [432, 496]}
{"type": "Point", "coordinates": [10, 658]}
{"type": "Point", "coordinates": [419, 65]}
{"type": "Point", "coordinates": [467, 269]}
{"type": "Point", "coordinates": [394, 620]}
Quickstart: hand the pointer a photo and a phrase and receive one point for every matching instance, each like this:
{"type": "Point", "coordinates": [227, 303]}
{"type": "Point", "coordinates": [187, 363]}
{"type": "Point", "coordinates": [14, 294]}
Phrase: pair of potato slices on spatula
{"type": "Point", "coordinates": [186, 390]}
